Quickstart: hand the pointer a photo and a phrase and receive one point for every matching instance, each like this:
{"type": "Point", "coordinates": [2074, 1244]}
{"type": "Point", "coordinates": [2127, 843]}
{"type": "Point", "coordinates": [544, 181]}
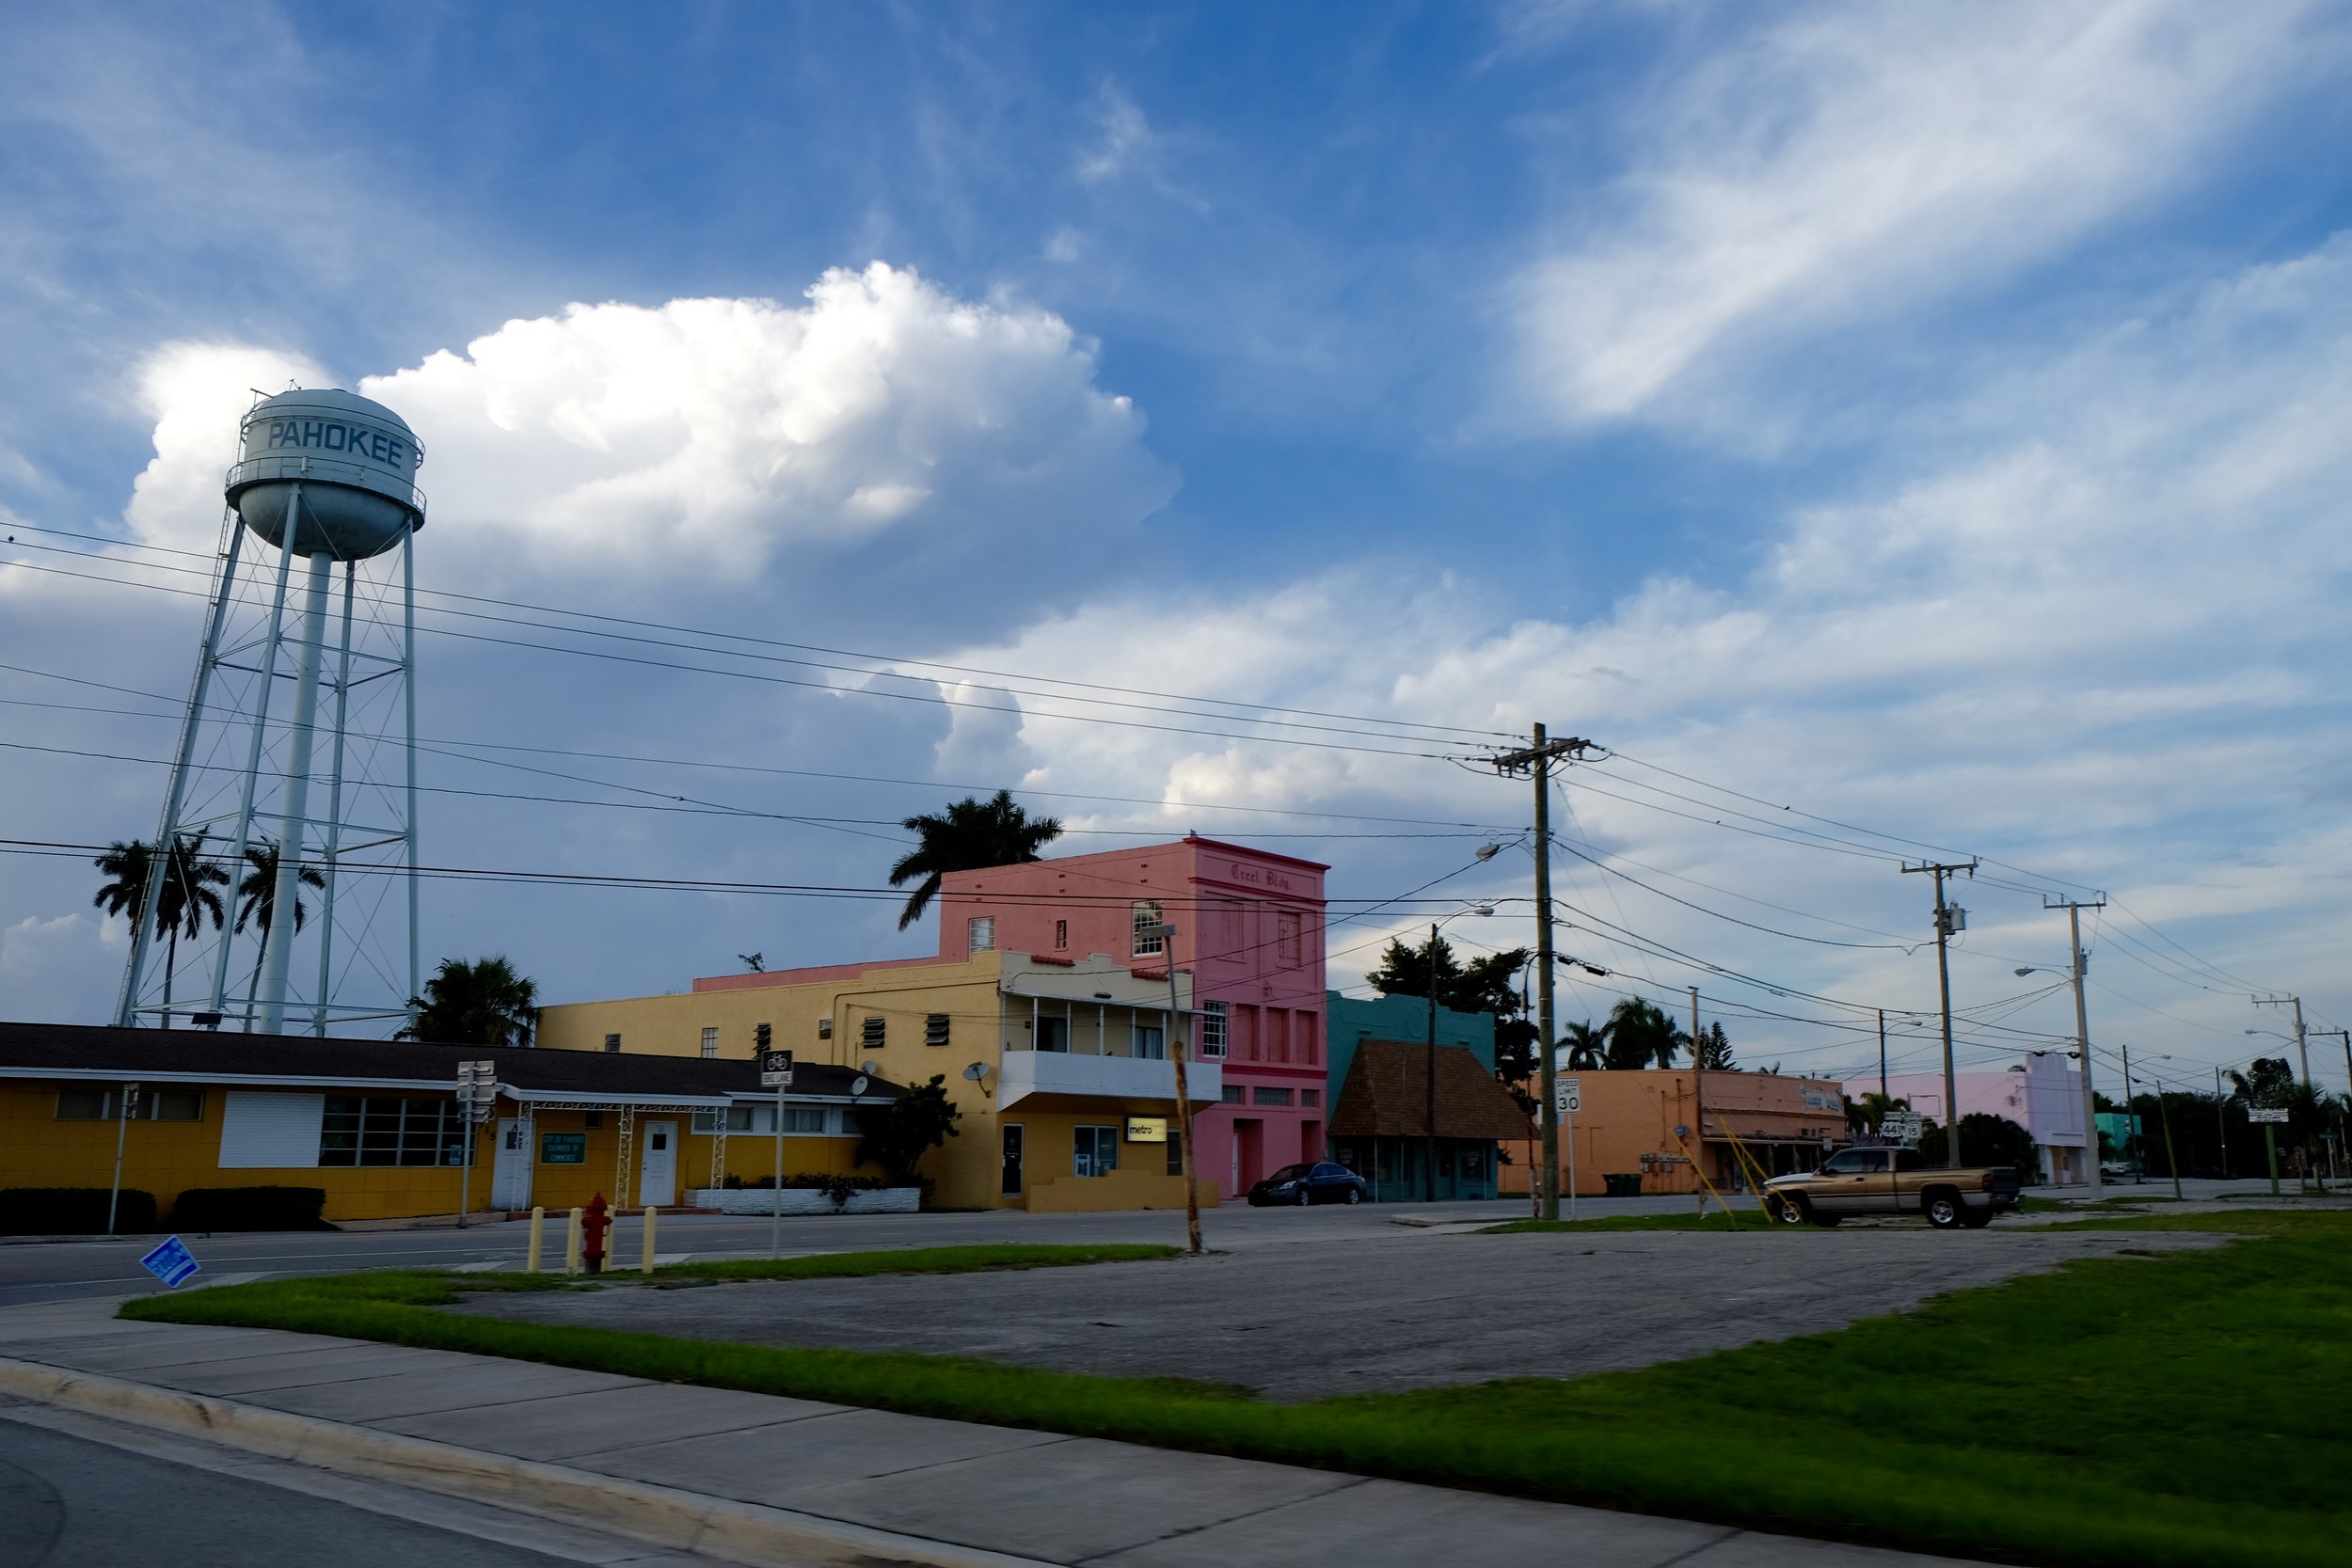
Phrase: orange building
{"type": "Point", "coordinates": [1641, 1126]}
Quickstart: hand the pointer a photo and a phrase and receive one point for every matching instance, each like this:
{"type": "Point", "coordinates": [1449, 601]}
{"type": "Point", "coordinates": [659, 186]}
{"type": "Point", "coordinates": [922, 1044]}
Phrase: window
{"type": "Point", "coordinates": [1276, 1036]}
{"type": "Point", "coordinates": [935, 1029]}
{"type": "Point", "coordinates": [1053, 1034]}
{"type": "Point", "coordinates": [1212, 1023]}
{"type": "Point", "coordinates": [613, 1042]}
{"type": "Point", "coordinates": [152, 1105]}
{"type": "Point", "coordinates": [1910, 1159]}
{"type": "Point", "coordinates": [710, 1044]}
{"type": "Point", "coordinates": [592, 1120]}
{"type": "Point", "coordinates": [803, 1118]}
{"type": "Point", "coordinates": [1097, 1152]}
{"type": "Point", "coordinates": [1175, 1156]}
{"type": "Point", "coordinates": [824, 1028]}
{"type": "Point", "coordinates": [980, 934]}
{"type": "Point", "coordinates": [1061, 935]}
{"type": "Point", "coordinates": [1148, 1042]}
{"type": "Point", "coordinates": [1286, 945]}
{"type": "Point", "coordinates": [873, 1032]}
{"type": "Point", "coordinates": [1235, 1094]}
{"type": "Point", "coordinates": [1147, 914]}
{"type": "Point", "coordinates": [1854, 1162]}
{"type": "Point", "coordinates": [1269, 1097]}
{"type": "Point", "coordinates": [382, 1131]}
{"type": "Point", "coordinates": [1310, 1098]}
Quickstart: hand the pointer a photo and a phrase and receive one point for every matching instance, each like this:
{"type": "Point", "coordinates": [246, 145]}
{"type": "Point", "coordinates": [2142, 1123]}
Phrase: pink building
{"type": "Point", "coordinates": [2043, 1095]}
{"type": "Point", "coordinates": [1249, 929]}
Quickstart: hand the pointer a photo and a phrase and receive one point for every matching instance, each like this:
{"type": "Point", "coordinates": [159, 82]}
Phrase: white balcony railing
{"type": "Point", "coordinates": [1027, 1072]}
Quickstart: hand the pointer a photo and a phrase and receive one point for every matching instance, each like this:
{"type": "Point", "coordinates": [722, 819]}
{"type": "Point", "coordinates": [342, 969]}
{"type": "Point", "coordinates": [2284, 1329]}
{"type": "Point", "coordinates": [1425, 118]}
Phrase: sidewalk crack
{"type": "Point", "coordinates": [1346, 1484]}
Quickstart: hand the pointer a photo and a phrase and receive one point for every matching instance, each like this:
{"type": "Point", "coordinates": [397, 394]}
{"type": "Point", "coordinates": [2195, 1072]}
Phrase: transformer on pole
{"type": "Point", "coordinates": [326, 478]}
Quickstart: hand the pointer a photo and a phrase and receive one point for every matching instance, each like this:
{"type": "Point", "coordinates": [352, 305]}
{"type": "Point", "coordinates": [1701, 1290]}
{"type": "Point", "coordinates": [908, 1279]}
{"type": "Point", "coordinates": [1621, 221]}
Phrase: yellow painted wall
{"type": "Point", "coordinates": [166, 1158]}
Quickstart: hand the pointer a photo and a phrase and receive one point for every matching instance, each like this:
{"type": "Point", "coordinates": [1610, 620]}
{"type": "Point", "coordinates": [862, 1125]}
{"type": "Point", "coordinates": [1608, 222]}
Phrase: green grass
{"type": "Point", "coordinates": [2172, 1411]}
{"type": "Point", "coordinates": [1714, 1220]}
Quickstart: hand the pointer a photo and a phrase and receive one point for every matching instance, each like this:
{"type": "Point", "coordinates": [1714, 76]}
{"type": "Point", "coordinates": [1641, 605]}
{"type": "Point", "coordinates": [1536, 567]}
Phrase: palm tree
{"type": "Point", "coordinates": [1585, 1046]}
{"type": "Point", "coordinates": [1641, 1036]}
{"type": "Point", "coordinates": [258, 902]}
{"type": "Point", "coordinates": [971, 835]}
{"type": "Point", "coordinates": [481, 1003]}
{"type": "Point", "coordinates": [185, 899]}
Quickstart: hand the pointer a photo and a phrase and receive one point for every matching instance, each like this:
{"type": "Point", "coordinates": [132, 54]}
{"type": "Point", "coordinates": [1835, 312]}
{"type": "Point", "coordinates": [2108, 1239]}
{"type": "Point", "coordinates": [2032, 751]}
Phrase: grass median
{"type": "Point", "coordinates": [2173, 1411]}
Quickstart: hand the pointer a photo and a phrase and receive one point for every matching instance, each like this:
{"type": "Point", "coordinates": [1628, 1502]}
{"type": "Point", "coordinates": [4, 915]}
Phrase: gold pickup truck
{"type": "Point", "coordinates": [1855, 1182]}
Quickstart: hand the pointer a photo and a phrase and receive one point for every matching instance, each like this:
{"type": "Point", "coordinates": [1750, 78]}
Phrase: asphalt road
{"type": "Point", "coordinates": [67, 1501]}
{"type": "Point", "coordinates": [66, 1270]}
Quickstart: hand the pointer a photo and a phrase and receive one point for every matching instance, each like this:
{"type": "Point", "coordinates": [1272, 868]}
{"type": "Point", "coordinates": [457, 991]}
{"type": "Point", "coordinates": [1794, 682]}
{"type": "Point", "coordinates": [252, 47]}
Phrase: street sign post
{"type": "Point", "coordinates": [1902, 1127]}
{"type": "Point", "coordinates": [775, 1072]}
{"type": "Point", "coordinates": [1568, 1099]}
{"type": "Point", "coordinates": [2269, 1118]}
{"type": "Point", "coordinates": [172, 1262]}
{"type": "Point", "coordinates": [477, 1096]}
{"type": "Point", "coordinates": [2259, 1114]}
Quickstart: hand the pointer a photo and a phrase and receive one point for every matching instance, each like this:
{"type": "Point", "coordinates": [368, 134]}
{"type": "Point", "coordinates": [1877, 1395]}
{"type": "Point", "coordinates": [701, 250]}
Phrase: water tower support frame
{"type": "Point", "coordinates": [335, 811]}
{"type": "Point", "coordinates": [167, 830]}
{"type": "Point", "coordinates": [294, 824]}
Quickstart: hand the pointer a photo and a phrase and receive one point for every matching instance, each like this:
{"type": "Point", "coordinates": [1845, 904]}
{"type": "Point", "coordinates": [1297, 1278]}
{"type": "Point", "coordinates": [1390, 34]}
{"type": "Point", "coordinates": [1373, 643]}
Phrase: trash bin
{"type": "Point", "coordinates": [1623, 1184]}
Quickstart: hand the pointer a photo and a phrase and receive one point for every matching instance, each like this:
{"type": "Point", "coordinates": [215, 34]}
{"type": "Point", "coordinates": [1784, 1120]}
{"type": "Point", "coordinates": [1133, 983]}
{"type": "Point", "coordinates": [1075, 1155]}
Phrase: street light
{"type": "Point", "coordinates": [1429, 1117]}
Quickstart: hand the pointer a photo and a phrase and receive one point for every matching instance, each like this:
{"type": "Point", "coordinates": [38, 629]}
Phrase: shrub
{"type": "Point", "coordinates": [251, 1208]}
{"type": "Point", "coordinates": [73, 1212]}
{"type": "Point", "coordinates": [839, 1186]}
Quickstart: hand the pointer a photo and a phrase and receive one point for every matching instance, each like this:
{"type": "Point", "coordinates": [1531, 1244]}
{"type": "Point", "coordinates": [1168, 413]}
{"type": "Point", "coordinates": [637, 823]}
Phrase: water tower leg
{"type": "Point", "coordinates": [409, 693]}
{"type": "Point", "coordinates": [334, 815]}
{"type": "Point", "coordinates": [126, 1005]}
{"type": "Point", "coordinates": [263, 692]}
{"type": "Point", "coordinates": [278, 946]}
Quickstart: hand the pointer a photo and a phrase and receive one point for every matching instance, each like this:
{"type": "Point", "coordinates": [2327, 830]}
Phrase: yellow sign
{"type": "Point", "coordinates": [1147, 1130]}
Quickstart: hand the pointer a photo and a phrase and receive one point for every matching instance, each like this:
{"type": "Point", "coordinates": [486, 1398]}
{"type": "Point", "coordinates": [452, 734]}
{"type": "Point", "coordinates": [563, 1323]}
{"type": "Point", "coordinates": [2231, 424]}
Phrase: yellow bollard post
{"type": "Point", "coordinates": [646, 1267]}
{"type": "Point", "coordinates": [572, 1243]}
{"type": "Point", "coordinates": [538, 1230]}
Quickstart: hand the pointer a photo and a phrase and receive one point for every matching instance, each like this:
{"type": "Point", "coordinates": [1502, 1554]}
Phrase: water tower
{"type": "Point", "coordinates": [326, 478]}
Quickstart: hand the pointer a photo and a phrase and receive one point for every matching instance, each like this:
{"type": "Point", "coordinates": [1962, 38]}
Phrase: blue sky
{"type": "Point", "coordinates": [1929, 417]}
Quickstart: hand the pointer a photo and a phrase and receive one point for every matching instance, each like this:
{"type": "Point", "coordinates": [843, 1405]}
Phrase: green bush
{"type": "Point", "coordinates": [73, 1212]}
{"type": "Point", "coordinates": [251, 1208]}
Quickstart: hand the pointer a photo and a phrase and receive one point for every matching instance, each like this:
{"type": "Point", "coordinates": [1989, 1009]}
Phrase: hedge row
{"type": "Point", "coordinates": [82, 1211]}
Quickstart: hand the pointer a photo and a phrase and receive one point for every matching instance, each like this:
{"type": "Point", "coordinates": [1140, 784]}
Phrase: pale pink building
{"type": "Point", "coordinates": [1248, 930]}
{"type": "Point", "coordinates": [2043, 1095]}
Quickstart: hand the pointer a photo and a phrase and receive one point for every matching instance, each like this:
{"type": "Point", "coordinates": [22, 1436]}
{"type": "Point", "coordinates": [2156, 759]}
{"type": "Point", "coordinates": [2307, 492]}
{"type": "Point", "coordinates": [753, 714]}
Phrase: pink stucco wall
{"type": "Point", "coordinates": [2045, 1098]}
{"type": "Point", "coordinates": [1249, 928]}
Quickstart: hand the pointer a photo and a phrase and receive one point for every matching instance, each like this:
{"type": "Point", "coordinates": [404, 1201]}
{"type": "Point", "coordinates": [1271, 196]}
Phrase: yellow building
{"type": "Point", "coordinates": [1059, 1067]}
{"type": "Point", "coordinates": [375, 1125]}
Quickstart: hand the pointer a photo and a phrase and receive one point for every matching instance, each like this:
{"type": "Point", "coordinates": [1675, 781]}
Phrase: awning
{"type": "Point", "coordinates": [1388, 1092]}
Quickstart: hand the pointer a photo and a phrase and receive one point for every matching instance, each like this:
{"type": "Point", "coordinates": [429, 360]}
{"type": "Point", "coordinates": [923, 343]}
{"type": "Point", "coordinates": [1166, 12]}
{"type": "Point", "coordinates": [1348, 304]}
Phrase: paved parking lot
{"type": "Point", "coordinates": [1404, 1311]}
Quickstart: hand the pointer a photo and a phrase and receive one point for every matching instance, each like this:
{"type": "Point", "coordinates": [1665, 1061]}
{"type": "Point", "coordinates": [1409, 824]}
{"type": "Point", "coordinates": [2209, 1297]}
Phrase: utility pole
{"type": "Point", "coordinates": [2073, 909]}
{"type": "Point", "coordinates": [2301, 1050]}
{"type": "Point", "coordinates": [1948, 918]}
{"type": "Point", "coordinates": [1429, 1107]}
{"type": "Point", "coordinates": [1537, 760]}
{"type": "Point", "coordinates": [2346, 1036]}
{"type": "Point", "coordinates": [1698, 1098]}
{"type": "Point", "coordinates": [2131, 1120]}
{"type": "Point", "coordinates": [2221, 1115]}
{"type": "Point", "coordinates": [1882, 1053]}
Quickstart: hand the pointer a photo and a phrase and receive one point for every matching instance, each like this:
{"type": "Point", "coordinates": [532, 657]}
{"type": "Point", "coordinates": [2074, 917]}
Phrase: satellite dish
{"type": "Point", "coordinates": [858, 1084]}
{"type": "Point", "coordinates": [869, 1067]}
{"type": "Point", "coordinates": [976, 1072]}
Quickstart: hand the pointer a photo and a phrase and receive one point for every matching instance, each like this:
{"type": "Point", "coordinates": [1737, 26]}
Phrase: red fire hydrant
{"type": "Point", "coordinates": [594, 1222]}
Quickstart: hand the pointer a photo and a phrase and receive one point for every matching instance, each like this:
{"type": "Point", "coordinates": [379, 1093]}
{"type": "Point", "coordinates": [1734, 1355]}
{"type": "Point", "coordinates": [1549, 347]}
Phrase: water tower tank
{"type": "Point", "coordinates": [356, 461]}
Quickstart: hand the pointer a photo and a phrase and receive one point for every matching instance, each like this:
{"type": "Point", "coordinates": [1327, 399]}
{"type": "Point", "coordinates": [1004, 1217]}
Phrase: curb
{"type": "Point", "coordinates": [663, 1516]}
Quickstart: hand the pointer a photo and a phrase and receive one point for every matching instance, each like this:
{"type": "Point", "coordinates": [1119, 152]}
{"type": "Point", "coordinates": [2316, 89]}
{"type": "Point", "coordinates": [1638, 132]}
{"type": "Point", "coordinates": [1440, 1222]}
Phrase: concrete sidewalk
{"type": "Point", "coordinates": [752, 1478]}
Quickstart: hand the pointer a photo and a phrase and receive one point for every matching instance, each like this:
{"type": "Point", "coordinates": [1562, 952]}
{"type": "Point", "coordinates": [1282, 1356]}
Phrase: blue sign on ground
{"type": "Point", "coordinates": [170, 1262]}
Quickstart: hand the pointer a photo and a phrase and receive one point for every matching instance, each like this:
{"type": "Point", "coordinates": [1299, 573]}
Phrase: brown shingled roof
{"type": "Point", "coordinates": [1387, 1096]}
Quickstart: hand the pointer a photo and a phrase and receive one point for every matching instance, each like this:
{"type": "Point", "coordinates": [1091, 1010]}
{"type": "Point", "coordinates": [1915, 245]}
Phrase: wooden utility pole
{"type": "Point", "coordinates": [1948, 918]}
{"type": "Point", "coordinates": [1536, 760]}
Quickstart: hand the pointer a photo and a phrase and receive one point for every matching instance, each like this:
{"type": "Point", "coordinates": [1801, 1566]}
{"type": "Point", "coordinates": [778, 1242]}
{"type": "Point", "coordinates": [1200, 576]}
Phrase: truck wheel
{"type": "Point", "coordinates": [1785, 1210]}
{"type": "Point", "coordinates": [1944, 1209]}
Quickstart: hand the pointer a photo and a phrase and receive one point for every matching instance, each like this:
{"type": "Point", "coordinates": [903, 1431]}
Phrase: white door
{"type": "Point", "coordinates": [510, 1179]}
{"type": "Point", "coordinates": [658, 1187]}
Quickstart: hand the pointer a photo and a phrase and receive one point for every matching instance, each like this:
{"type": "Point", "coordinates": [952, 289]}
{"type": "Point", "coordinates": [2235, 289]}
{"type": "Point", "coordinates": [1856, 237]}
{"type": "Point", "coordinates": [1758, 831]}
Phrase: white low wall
{"type": "Point", "coordinates": [804, 1200]}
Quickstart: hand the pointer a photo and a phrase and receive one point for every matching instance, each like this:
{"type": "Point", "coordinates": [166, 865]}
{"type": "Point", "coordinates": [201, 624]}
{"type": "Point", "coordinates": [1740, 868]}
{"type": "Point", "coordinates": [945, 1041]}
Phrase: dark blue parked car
{"type": "Point", "coordinates": [1321, 1182]}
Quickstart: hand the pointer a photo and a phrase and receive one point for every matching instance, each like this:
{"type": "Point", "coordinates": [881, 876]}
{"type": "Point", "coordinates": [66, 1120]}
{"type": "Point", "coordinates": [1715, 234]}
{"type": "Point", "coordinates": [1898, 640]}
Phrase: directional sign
{"type": "Point", "coordinates": [171, 1263]}
{"type": "Point", "coordinates": [2258, 1114]}
{"type": "Point", "coordinates": [1568, 1095]}
{"type": "Point", "coordinates": [1901, 1127]}
{"type": "Point", "coordinates": [775, 1070]}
